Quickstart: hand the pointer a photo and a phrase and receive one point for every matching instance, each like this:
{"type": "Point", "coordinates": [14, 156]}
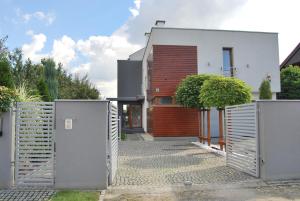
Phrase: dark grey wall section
{"type": "Point", "coordinates": [129, 78]}
{"type": "Point", "coordinates": [7, 149]}
{"type": "Point", "coordinates": [81, 151]}
{"type": "Point", "coordinates": [279, 131]}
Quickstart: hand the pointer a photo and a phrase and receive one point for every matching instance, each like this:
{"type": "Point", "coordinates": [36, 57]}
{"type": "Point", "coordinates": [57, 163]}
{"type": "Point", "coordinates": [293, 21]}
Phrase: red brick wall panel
{"type": "Point", "coordinates": [174, 121]}
{"type": "Point", "coordinates": [171, 64]}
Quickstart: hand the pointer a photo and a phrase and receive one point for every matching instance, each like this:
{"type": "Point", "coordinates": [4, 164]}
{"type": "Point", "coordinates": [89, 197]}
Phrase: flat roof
{"type": "Point", "coordinates": [225, 30]}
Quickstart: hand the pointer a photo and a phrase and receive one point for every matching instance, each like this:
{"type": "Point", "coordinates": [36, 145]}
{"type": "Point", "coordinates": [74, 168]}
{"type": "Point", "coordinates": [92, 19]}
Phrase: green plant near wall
{"type": "Point", "coordinates": [290, 83]}
{"type": "Point", "coordinates": [265, 90]}
{"type": "Point", "coordinates": [51, 78]}
{"type": "Point", "coordinates": [223, 91]}
{"type": "Point", "coordinates": [188, 91]}
{"type": "Point", "coordinates": [6, 77]}
{"type": "Point", "coordinates": [7, 97]}
{"type": "Point", "coordinates": [25, 94]}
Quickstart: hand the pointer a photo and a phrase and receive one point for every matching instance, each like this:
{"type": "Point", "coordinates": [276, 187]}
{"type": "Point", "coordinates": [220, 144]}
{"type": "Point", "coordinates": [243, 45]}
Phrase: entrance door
{"type": "Point", "coordinates": [132, 116]}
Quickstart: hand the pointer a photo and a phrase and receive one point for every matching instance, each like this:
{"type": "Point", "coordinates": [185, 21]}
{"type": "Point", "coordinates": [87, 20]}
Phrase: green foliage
{"type": "Point", "coordinates": [24, 94]}
{"type": "Point", "coordinates": [290, 83]}
{"type": "Point", "coordinates": [188, 91]}
{"type": "Point", "coordinates": [7, 97]}
{"type": "Point", "coordinates": [3, 49]}
{"type": "Point", "coordinates": [265, 90]}
{"type": "Point", "coordinates": [50, 78]}
{"type": "Point", "coordinates": [43, 90]}
{"type": "Point", "coordinates": [83, 89]}
{"type": "Point", "coordinates": [76, 196]}
{"type": "Point", "coordinates": [43, 79]}
{"type": "Point", "coordinates": [222, 91]}
{"type": "Point", "coordinates": [6, 78]}
{"type": "Point", "coordinates": [123, 136]}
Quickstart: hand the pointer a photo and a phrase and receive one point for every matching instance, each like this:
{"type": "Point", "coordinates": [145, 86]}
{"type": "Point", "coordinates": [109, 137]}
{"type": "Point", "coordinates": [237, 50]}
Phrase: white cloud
{"type": "Point", "coordinates": [135, 10]}
{"type": "Point", "coordinates": [39, 15]}
{"type": "Point", "coordinates": [32, 50]}
{"type": "Point", "coordinates": [64, 50]}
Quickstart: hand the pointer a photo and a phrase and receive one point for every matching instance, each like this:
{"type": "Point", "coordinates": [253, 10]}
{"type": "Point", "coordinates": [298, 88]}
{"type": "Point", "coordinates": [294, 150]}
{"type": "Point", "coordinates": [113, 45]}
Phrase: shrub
{"type": "Point", "coordinates": [290, 83]}
{"type": "Point", "coordinates": [25, 94]}
{"type": "Point", "coordinates": [188, 91]}
{"type": "Point", "coordinates": [43, 90]}
{"type": "Point", "coordinates": [265, 90]}
{"type": "Point", "coordinates": [222, 91]}
{"type": "Point", "coordinates": [6, 78]}
{"type": "Point", "coordinates": [7, 97]}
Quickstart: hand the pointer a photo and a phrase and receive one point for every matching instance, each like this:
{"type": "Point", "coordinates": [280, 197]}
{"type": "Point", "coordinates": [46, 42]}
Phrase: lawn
{"type": "Point", "coordinates": [76, 196]}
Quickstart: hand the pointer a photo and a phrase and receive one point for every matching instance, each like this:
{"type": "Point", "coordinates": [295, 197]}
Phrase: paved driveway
{"type": "Point", "coordinates": [162, 163]}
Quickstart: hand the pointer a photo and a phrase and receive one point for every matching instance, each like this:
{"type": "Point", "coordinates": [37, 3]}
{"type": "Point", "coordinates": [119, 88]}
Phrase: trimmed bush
{"type": "Point", "coordinates": [188, 91]}
{"type": "Point", "coordinates": [223, 91]}
{"type": "Point", "coordinates": [265, 90]}
{"type": "Point", "coordinates": [7, 97]}
{"type": "Point", "coordinates": [290, 83]}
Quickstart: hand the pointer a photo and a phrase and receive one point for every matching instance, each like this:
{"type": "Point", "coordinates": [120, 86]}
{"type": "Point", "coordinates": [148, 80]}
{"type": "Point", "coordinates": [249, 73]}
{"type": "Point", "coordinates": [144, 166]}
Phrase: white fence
{"type": "Point", "coordinates": [242, 138]}
{"type": "Point", "coordinates": [35, 144]}
{"type": "Point", "coordinates": [113, 142]}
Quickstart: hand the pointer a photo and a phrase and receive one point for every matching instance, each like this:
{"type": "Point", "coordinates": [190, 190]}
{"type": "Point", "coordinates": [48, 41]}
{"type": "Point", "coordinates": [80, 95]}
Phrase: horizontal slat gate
{"type": "Point", "coordinates": [35, 144]}
{"type": "Point", "coordinates": [242, 138]}
{"type": "Point", "coordinates": [113, 142]}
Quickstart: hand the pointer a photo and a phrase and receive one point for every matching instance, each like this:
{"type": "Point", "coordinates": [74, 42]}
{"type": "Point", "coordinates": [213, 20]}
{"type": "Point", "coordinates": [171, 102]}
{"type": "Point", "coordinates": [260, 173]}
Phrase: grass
{"type": "Point", "coordinates": [76, 196]}
{"type": "Point", "coordinates": [123, 136]}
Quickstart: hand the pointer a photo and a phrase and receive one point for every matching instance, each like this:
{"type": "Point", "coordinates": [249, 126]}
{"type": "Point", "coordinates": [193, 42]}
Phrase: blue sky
{"type": "Point", "coordinates": [77, 18]}
{"type": "Point", "coordinates": [89, 36]}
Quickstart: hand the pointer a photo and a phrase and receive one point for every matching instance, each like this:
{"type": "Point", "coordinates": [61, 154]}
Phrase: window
{"type": "Point", "coordinates": [227, 62]}
{"type": "Point", "coordinates": [167, 100]}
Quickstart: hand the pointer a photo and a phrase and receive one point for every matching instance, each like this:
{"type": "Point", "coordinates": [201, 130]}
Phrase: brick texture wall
{"type": "Point", "coordinates": [170, 65]}
{"type": "Point", "coordinates": [174, 121]}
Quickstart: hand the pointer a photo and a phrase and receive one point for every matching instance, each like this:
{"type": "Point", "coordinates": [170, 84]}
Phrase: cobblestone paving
{"type": "Point", "coordinates": [171, 162]}
{"type": "Point", "coordinates": [26, 195]}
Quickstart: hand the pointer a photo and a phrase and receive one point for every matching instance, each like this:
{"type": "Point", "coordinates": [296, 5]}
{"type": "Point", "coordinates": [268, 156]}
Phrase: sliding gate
{"type": "Point", "coordinates": [35, 144]}
{"type": "Point", "coordinates": [113, 142]}
{"type": "Point", "coordinates": [242, 149]}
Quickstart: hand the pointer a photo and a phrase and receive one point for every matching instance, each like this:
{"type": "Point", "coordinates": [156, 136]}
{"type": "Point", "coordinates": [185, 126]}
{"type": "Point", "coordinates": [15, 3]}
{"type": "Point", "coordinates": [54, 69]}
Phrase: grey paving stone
{"type": "Point", "coordinates": [171, 162]}
{"type": "Point", "coordinates": [26, 194]}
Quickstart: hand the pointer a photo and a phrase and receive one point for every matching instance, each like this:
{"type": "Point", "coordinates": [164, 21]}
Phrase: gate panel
{"type": "Point", "coordinates": [113, 141]}
{"type": "Point", "coordinates": [35, 144]}
{"type": "Point", "coordinates": [242, 138]}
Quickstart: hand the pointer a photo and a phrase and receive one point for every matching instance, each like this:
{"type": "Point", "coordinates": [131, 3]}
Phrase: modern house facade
{"type": "Point", "coordinates": [171, 54]}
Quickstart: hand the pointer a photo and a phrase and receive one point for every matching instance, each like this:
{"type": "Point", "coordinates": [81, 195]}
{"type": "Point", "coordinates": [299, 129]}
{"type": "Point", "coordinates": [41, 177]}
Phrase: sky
{"type": "Point", "coordinates": [88, 36]}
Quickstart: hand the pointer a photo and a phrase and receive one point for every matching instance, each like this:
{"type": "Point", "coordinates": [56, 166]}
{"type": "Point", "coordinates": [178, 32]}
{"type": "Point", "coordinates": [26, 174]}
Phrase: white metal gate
{"type": "Point", "coordinates": [35, 144]}
{"type": "Point", "coordinates": [242, 150]}
{"type": "Point", "coordinates": [113, 142]}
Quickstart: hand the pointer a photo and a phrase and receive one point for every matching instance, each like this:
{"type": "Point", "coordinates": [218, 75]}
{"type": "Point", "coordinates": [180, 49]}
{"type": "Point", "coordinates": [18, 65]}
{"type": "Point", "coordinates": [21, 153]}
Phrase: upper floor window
{"type": "Point", "coordinates": [227, 62]}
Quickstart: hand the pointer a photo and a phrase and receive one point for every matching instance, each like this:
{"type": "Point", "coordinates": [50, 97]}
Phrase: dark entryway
{"type": "Point", "coordinates": [131, 117]}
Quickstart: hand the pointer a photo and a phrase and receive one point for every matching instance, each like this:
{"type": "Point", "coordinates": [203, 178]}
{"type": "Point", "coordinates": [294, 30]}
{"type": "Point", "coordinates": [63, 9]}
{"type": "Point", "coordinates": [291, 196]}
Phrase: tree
{"type": "Point", "coordinates": [290, 83]}
{"type": "Point", "coordinates": [6, 78]}
{"type": "Point", "coordinates": [187, 94]}
{"type": "Point", "coordinates": [3, 49]}
{"type": "Point", "coordinates": [51, 77]}
{"type": "Point", "coordinates": [7, 97]}
{"type": "Point", "coordinates": [265, 90]}
{"type": "Point", "coordinates": [83, 89]}
{"type": "Point", "coordinates": [16, 61]}
{"type": "Point", "coordinates": [223, 91]}
{"type": "Point", "coordinates": [43, 90]}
